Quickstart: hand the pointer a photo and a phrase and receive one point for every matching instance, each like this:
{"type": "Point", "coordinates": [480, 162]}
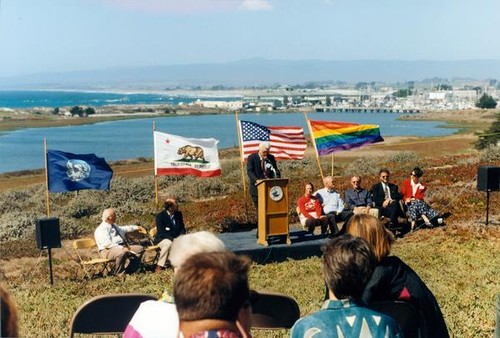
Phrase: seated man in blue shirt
{"type": "Point", "coordinates": [348, 263]}
{"type": "Point", "coordinates": [333, 206]}
{"type": "Point", "coordinates": [358, 199]}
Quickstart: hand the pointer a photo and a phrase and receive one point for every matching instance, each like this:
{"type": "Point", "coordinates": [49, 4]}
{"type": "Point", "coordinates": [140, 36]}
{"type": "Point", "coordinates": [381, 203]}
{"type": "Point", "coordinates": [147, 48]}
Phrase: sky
{"type": "Point", "coordinates": [70, 35]}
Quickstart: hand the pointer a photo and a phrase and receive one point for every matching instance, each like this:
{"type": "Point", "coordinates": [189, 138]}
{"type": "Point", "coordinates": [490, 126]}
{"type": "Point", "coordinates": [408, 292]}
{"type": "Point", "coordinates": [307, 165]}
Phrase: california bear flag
{"type": "Point", "coordinates": [176, 155]}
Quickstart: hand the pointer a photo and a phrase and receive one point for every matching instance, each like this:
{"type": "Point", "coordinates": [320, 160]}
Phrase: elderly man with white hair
{"type": "Point", "coordinates": [159, 318]}
{"type": "Point", "coordinates": [112, 244]}
{"type": "Point", "coordinates": [261, 165]}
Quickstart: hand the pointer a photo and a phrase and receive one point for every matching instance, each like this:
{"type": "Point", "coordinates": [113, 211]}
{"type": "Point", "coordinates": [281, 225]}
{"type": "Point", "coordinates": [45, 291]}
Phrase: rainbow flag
{"type": "Point", "coordinates": [332, 136]}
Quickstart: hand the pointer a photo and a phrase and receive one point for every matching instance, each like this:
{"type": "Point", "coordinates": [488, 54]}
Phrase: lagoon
{"type": "Point", "coordinates": [119, 140]}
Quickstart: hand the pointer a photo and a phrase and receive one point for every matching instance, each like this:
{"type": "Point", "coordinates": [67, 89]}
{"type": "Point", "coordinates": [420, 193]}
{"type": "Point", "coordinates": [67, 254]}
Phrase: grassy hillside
{"type": "Point", "coordinates": [459, 262]}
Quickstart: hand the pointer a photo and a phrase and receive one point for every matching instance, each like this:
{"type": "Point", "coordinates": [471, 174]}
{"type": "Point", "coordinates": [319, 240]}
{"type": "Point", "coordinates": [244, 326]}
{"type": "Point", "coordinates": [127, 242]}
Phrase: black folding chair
{"type": "Point", "coordinates": [274, 311]}
{"type": "Point", "coordinates": [107, 314]}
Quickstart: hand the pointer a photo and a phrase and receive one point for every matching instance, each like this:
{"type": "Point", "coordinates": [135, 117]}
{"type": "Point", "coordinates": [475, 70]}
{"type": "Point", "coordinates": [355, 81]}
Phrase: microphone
{"type": "Point", "coordinates": [269, 167]}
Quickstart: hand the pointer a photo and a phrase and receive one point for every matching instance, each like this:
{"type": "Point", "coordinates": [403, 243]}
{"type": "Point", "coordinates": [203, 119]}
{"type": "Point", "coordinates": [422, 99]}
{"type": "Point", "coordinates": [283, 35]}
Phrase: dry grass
{"type": "Point", "coordinates": [460, 262]}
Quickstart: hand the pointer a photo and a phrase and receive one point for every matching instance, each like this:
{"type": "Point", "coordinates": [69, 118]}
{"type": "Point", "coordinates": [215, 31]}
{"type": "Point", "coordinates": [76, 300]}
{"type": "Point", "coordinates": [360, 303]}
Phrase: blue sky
{"type": "Point", "coordinates": [66, 35]}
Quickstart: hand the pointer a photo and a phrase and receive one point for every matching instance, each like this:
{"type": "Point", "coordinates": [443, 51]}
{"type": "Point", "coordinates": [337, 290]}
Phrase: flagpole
{"type": "Point", "coordinates": [154, 164]}
{"type": "Point", "coordinates": [332, 165]}
{"type": "Point", "coordinates": [314, 145]}
{"type": "Point", "coordinates": [241, 153]}
{"type": "Point", "coordinates": [47, 197]}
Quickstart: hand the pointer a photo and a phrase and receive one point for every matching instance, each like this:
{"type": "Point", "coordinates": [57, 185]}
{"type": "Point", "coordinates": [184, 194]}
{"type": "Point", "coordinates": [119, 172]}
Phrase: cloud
{"type": "Point", "coordinates": [189, 6]}
{"type": "Point", "coordinates": [256, 5]}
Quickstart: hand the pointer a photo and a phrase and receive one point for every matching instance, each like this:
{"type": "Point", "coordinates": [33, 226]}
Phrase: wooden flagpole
{"type": "Point", "coordinates": [314, 145]}
{"type": "Point", "coordinates": [154, 164]}
{"type": "Point", "coordinates": [47, 195]}
{"type": "Point", "coordinates": [242, 162]}
{"type": "Point", "coordinates": [332, 165]}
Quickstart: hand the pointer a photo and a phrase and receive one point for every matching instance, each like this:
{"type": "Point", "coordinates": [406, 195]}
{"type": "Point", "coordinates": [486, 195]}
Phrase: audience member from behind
{"type": "Point", "coordinates": [158, 318]}
{"type": "Point", "coordinates": [169, 225]}
{"type": "Point", "coordinates": [112, 244]}
{"type": "Point", "coordinates": [213, 297]}
{"type": "Point", "coordinates": [386, 197]}
{"type": "Point", "coordinates": [8, 315]}
{"type": "Point", "coordinates": [310, 211]}
{"type": "Point", "coordinates": [413, 195]}
{"type": "Point", "coordinates": [394, 280]}
{"type": "Point", "coordinates": [332, 204]}
{"type": "Point", "coordinates": [358, 199]}
{"type": "Point", "coordinates": [348, 263]}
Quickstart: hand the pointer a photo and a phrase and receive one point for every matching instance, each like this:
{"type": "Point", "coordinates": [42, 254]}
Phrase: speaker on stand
{"type": "Point", "coordinates": [488, 179]}
{"type": "Point", "coordinates": [48, 236]}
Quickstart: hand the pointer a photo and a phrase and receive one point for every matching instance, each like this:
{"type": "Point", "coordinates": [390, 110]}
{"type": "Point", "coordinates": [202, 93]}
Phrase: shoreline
{"type": "Point", "coordinates": [15, 119]}
{"type": "Point", "coordinates": [140, 167]}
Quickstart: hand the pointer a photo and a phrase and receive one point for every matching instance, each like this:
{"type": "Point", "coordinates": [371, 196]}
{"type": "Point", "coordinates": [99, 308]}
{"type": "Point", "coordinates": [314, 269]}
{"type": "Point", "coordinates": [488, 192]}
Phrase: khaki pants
{"type": "Point", "coordinates": [165, 245]}
{"type": "Point", "coordinates": [120, 254]}
{"type": "Point", "coordinates": [362, 210]}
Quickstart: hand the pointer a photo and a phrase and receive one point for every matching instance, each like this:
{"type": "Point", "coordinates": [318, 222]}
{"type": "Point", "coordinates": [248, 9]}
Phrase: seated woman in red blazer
{"type": "Point", "coordinates": [413, 195]}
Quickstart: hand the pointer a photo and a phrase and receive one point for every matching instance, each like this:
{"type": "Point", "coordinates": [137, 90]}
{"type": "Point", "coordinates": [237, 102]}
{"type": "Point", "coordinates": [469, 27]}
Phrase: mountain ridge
{"type": "Point", "coordinates": [260, 72]}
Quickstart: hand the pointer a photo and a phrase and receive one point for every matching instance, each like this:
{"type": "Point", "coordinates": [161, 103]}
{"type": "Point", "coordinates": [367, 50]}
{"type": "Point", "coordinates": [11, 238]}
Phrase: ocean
{"type": "Point", "coordinates": [52, 99]}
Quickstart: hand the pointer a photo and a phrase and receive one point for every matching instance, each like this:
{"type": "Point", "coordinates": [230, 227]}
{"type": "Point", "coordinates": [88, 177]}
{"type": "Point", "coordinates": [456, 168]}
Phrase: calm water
{"type": "Point", "coordinates": [118, 140]}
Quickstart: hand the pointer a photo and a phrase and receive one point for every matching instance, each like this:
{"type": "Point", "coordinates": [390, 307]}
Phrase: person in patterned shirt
{"type": "Point", "coordinates": [212, 296]}
{"type": "Point", "coordinates": [348, 263]}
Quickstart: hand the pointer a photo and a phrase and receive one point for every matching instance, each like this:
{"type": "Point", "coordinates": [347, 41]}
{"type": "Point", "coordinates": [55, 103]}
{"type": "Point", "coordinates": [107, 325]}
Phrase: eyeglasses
{"type": "Point", "coordinates": [385, 176]}
{"type": "Point", "coordinates": [413, 175]}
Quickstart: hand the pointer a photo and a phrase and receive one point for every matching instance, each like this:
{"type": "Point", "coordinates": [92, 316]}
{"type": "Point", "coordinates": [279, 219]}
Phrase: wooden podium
{"type": "Point", "coordinates": [273, 209]}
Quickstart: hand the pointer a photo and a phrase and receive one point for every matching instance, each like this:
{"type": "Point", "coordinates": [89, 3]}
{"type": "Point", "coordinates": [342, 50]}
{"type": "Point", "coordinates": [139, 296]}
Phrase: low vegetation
{"type": "Point", "coordinates": [460, 262]}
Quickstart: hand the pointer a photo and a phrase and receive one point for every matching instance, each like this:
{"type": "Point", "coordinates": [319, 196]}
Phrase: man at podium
{"type": "Point", "coordinates": [261, 165]}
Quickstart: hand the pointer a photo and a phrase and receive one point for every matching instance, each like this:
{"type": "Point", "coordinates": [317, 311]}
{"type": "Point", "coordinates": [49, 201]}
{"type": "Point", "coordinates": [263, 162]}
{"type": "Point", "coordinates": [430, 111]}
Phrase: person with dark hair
{"type": "Point", "coordinates": [169, 225]}
{"type": "Point", "coordinates": [310, 211]}
{"type": "Point", "coordinates": [348, 263]}
{"type": "Point", "coordinates": [8, 315]}
{"type": "Point", "coordinates": [159, 318]}
{"type": "Point", "coordinates": [212, 296]}
{"type": "Point", "coordinates": [387, 197]}
{"type": "Point", "coordinates": [413, 195]}
{"type": "Point", "coordinates": [392, 279]}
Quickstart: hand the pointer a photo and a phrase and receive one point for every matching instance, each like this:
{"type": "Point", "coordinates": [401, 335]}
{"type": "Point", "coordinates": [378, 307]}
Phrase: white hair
{"type": "Point", "coordinates": [264, 145]}
{"type": "Point", "coordinates": [187, 245]}
{"type": "Point", "coordinates": [106, 213]}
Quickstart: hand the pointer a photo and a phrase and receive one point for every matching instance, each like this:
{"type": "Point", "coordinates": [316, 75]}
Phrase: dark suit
{"type": "Point", "coordinates": [168, 229]}
{"type": "Point", "coordinates": [393, 210]}
{"type": "Point", "coordinates": [255, 172]}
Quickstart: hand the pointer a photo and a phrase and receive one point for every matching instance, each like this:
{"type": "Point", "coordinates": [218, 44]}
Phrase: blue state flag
{"type": "Point", "coordinates": [70, 172]}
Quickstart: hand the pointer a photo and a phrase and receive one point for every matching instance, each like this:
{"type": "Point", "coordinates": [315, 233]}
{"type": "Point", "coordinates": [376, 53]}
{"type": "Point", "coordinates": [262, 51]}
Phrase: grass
{"type": "Point", "coordinates": [460, 263]}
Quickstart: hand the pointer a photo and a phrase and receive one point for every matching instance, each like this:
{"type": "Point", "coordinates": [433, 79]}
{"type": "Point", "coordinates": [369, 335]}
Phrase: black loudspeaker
{"type": "Point", "coordinates": [48, 233]}
{"type": "Point", "coordinates": [488, 178]}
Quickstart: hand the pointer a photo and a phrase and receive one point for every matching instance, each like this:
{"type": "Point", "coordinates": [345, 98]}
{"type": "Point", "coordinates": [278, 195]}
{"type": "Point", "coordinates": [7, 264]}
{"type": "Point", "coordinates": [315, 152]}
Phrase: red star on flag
{"type": "Point", "coordinates": [167, 141]}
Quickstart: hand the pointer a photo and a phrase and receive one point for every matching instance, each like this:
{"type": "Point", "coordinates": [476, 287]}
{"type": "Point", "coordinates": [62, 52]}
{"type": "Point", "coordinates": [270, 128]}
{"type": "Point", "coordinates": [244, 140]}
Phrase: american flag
{"type": "Point", "coordinates": [287, 143]}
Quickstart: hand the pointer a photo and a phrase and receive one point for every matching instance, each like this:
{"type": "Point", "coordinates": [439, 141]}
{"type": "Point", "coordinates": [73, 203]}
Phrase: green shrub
{"type": "Point", "coordinates": [490, 154]}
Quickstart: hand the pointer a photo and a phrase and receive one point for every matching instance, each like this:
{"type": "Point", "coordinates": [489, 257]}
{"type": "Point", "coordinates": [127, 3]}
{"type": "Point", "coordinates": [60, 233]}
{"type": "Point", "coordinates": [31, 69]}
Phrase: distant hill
{"type": "Point", "coordinates": [255, 72]}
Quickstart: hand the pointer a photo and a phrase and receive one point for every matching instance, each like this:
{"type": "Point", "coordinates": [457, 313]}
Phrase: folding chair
{"type": "Point", "coordinates": [151, 251]}
{"type": "Point", "coordinates": [107, 314]}
{"type": "Point", "coordinates": [92, 264]}
{"type": "Point", "coordinates": [274, 311]}
{"type": "Point", "coordinates": [404, 313]}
